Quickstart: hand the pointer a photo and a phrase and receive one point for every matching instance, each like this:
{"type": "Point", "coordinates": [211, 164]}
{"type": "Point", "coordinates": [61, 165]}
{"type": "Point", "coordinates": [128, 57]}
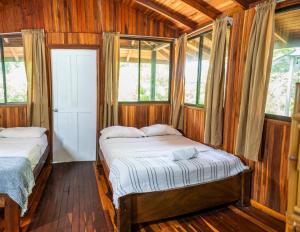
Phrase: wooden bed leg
{"type": "Point", "coordinates": [12, 214]}
{"type": "Point", "coordinates": [100, 168]}
{"type": "Point", "coordinates": [124, 216]}
{"type": "Point", "coordinates": [246, 188]}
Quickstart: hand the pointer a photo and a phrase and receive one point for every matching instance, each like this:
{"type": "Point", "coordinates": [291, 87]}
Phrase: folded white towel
{"type": "Point", "coordinates": [184, 154]}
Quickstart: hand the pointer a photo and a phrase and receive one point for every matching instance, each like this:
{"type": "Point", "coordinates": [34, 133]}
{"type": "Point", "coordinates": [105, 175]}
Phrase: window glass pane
{"type": "Point", "coordinates": [129, 68]}
{"type": "Point", "coordinates": [205, 48]}
{"type": "Point", "coordinates": [15, 74]}
{"type": "Point", "coordinates": [285, 71]}
{"type": "Point", "coordinates": [151, 75]}
{"type": "Point", "coordinates": [155, 71]}
{"type": "Point", "coordinates": [145, 76]}
{"type": "Point", "coordinates": [162, 72]}
{"type": "Point", "coordinates": [191, 70]}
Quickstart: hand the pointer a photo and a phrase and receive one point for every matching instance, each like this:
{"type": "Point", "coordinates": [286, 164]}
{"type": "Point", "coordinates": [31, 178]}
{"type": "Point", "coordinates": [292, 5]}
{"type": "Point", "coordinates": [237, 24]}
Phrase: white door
{"type": "Point", "coordinates": [74, 74]}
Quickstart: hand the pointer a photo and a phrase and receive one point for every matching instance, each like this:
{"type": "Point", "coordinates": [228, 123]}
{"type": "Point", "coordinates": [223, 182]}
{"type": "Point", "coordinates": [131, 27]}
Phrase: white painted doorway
{"type": "Point", "coordinates": [74, 84]}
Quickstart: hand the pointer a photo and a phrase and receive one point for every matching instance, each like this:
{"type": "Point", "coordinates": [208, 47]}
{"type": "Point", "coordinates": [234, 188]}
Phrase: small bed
{"type": "Point", "coordinates": [24, 154]}
{"type": "Point", "coordinates": [147, 185]}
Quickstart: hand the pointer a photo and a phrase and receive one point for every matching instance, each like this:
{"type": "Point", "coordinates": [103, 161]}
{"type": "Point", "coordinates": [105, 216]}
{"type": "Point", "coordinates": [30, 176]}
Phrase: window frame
{"type": "Point", "coordinates": [2, 61]}
{"type": "Point", "coordinates": [140, 39]}
{"type": "Point", "coordinates": [200, 36]}
{"type": "Point", "coordinates": [277, 117]}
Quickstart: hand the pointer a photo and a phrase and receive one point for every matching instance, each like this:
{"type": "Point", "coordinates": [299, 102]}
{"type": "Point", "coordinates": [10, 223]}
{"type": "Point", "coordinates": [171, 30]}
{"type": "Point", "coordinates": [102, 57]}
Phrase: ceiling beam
{"type": "Point", "coordinates": [243, 3]}
{"type": "Point", "coordinates": [168, 13]}
{"type": "Point", "coordinates": [204, 8]}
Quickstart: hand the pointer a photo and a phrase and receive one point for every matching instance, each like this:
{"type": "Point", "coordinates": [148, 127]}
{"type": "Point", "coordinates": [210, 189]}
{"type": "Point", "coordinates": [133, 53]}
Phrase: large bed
{"type": "Point", "coordinates": [19, 155]}
{"type": "Point", "coordinates": [146, 185]}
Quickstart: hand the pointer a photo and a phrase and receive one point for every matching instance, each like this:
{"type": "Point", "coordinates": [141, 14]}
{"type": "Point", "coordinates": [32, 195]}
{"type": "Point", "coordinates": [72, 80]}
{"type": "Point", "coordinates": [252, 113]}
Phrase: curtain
{"type": "Point", "coordinates": [111, 56]}
{"type": "Point", "coordinates": [37, 87]}
{"type": "Point", "coordinates": [177, 83]}
{"type": "Point", "coordinates": [214, 95]}
{"type": "Point", "coordinates": [255, 82]}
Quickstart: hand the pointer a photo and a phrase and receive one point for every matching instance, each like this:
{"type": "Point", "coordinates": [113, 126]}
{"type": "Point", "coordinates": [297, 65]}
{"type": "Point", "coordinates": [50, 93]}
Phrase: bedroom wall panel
{"type": "Point", "coordinates": [79, 16]}
{"type": "Point", "coordinates": [194, 119]}
{"type": "Point", "coordinates": [80, 23]}
{"type": "Point", "coordinates": [140, 115]}
{"type": "Point", "coordinates": [269, 183]}
{"type": "Point", "coordinates": [270, 174]}
{"type": "Point", "coordinates": [14, 115]}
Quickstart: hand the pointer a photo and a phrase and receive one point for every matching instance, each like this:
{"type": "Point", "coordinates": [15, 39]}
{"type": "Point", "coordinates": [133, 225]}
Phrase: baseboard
{"type": "Point", "coordinates": [267, 210]}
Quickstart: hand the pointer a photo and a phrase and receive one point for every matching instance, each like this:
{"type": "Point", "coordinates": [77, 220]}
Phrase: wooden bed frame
{"type": "Point", "coordinates": [10, 220]}
{"type": "Point", "coordinates": [151, 206]}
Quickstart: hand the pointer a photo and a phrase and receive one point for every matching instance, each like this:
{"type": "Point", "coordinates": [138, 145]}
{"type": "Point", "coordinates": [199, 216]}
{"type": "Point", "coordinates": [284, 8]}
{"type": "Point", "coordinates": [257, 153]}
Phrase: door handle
{"type": "Point", "coordinates": [55, 110]}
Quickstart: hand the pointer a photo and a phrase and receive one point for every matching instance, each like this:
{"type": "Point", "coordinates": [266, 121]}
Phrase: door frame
{"type": "Point", "coordinates": [98, 90]}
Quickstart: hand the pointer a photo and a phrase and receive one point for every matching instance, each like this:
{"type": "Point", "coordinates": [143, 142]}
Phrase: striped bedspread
{"type": "Point", "coordinates": [148, 174]}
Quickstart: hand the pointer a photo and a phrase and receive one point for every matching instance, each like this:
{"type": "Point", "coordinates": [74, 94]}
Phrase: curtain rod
{"type": "Point", "coordinates": [11, 33]}
{"type": "Point", "coordinates": [147, 37]}
{"type": "Point", "coordinates": [198, 31]}
{"type": "Point", "coordinates": [204, 29]}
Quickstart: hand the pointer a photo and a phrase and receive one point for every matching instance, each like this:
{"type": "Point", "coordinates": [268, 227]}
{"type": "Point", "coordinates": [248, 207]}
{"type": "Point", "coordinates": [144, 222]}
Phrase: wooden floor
{"type": "Point", "coordinates": [74, 200]}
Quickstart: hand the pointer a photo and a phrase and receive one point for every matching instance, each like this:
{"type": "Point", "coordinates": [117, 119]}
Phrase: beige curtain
{"type": "Point", "coordinates": [255, 82]}
{"type": "Point", "coordinates": [177, 82]}
{"type": "Point", "coordinates": [35, 63]}
{"type": "Point", "coordinates": [214, 96]}
{"type": "Point", "coordinates": [111, 56]}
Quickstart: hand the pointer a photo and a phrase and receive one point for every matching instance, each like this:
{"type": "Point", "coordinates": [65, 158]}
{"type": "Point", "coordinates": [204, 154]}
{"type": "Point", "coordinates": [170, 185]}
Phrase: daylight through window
{"type": "Point", "coordinates": [13, 82]}
{"type": "Point", "coordinates": [196, 66]}
{"type": "Point", "coordinates": [285, 71]}
{"type": "Point", "coordinates": [196, 69]}
{"type": "Point", "coordinates": [144, 71]}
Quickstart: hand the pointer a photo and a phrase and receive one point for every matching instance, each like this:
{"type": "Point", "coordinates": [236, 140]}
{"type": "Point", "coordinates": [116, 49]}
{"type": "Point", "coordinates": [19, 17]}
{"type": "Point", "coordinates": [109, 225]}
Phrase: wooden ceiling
{"type": "Point", "coordinates": [13, 48]}
{"type": "Point", "coordinates": [188, 15]}
{"type": "Point", "coordinates": [288, 25]}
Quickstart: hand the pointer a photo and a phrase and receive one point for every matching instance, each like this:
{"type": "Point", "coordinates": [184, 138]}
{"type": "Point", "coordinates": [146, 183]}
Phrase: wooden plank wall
{"type": "Point", "coordinates": [80, 23]}
{"type": "Point", "coordinates": [14, 115]}
{"type": "Point", "coordinates": [140, 115]}
{"type": "Point", "coordinates": [194, 119]}
{"type": "Point", "coordinates": [270, 174]}
{"type": "Point", "coordinates": [85, 16]}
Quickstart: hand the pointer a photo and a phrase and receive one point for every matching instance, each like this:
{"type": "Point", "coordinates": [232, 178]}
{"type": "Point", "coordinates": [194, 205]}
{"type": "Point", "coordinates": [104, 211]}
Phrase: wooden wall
{"type": "Point", "coordinates": [269, 183]}
{"type": "Point", "coordinates": [194, 119]}
{"type": "Point", "coordinates": [14, 115]}
{"type": "Point", "coordinates": [87, 16]}
{"type": "Point", "coordinates": [80, 23]}
{"type": "Point", "coordinates": [140, 115]}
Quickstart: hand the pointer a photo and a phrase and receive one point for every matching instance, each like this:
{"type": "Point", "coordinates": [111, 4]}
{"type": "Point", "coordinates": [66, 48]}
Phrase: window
{"type": "Point", "coordinates": [144, 70]}
{"type": "Point", "coordinates": [285, 72]}
{"type": "Point", "coordinates": [197, 64]}
{"type": "Point", "coordinates": [196, 69]}
{"type": "Point", "coordinates": [13, 82]}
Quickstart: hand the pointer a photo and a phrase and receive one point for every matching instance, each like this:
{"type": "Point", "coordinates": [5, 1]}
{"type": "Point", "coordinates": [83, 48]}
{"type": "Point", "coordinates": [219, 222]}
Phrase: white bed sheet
{"type": "Point", "coordinates": [156, 146]}
{"type": "Point", "coordinates": [31, 148]}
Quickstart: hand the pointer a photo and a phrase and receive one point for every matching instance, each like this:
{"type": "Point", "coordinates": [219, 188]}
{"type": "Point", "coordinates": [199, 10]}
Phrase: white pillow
{"type": "Point", "coordinates": [121, 132]}
{"type": "Point", "coordinates": [160, 129]}
{"type": "Point", "coordinates": [23, 132]}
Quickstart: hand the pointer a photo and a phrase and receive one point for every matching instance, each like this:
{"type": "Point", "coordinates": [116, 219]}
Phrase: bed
{"type": "Point", "coordinates": [22, 156]}
{"type": "Point", "coordinates": [146, 185]}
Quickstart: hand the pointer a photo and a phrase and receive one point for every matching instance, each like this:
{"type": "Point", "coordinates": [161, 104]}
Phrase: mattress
{"type": "Point", "coordinates": [30, 148]}
{"type": "Point", "coordinates": [143, 164]}
{"type": "Point", "coordinates": [155, 146]}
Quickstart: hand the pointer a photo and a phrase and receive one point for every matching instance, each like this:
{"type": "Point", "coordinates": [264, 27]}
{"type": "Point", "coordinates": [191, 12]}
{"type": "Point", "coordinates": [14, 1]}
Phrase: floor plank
{"type": "Point", "coordinates": [70, 202]}
{"type": "Point", "coordinates": [75, 200]}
